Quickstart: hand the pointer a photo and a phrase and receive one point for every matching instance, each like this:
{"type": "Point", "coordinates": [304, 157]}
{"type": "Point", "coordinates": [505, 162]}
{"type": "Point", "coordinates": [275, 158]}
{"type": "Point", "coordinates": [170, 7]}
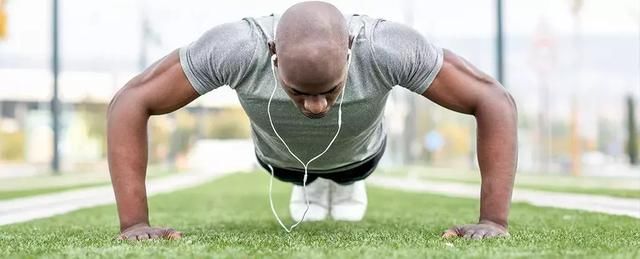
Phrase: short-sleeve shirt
{"type": "Point", "coordinates": [384, 54]}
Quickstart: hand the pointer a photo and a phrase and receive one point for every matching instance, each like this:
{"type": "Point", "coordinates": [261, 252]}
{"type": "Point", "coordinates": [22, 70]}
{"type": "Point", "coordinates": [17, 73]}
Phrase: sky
{"type": "Point", "coordinates": [95, 33]}
{"type": "Point", "coordinates": [111, 29]}
{"type": "Point", "coordinates": [107, 35]}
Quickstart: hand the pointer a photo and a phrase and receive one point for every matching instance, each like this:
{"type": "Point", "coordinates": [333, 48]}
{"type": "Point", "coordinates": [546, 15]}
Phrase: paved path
{"type": "Point", "coordinates": [594, 203]}
{"type": "Point", "coordinates": [47, 205]}
{"type": "Point", "coordinates": [230, 156]}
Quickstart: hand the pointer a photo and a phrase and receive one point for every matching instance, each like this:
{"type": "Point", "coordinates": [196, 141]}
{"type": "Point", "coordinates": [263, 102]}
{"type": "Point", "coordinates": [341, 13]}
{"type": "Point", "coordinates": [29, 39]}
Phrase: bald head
{"type": "Point", "coordinates": [311, 44]}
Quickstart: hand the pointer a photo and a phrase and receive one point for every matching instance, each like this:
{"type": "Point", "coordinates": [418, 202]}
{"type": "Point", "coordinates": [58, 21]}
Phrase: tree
{"type": "Point", "coordinates": [3, 20]}
{"type": "Point", "coordinates": [632, 140]}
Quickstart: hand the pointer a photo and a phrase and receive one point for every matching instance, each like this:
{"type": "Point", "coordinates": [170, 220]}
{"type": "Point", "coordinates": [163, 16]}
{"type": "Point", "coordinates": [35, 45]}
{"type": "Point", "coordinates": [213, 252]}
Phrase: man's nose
{"type": "Point", "coordinates": [315, 104]}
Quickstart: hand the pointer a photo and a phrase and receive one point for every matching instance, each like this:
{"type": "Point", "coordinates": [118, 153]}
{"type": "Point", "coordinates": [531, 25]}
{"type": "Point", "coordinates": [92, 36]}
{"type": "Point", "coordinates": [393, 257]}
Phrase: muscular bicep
{"type": "Point", "coordinates": [459, 86]}
{"type": "Point", "coordinates": [161, 88]}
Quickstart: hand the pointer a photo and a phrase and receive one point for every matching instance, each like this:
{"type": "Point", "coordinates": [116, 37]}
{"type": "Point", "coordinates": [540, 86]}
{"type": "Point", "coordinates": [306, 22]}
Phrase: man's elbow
{"type": "Point", "coordinates": [127, 99]}
{"type": "Point", "coordinates": [112, 104]}
{"type": "Point", "coordinates": [500, 101]}
{"type": "Point", "coordinates": [116, 101]}
{"type": "Point", "coordinates": [508, 102]}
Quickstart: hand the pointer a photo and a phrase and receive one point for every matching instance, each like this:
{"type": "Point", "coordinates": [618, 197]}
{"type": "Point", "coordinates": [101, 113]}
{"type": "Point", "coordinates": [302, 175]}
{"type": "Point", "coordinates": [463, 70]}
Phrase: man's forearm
{"type": "Point", "coordinates": [497, 146]}
{"type": "Point", "coordinates": [127, 154]}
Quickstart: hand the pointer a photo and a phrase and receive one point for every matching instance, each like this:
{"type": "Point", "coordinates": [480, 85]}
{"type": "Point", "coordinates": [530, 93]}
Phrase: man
{"type": "Point", "coordinates": [290, 72]}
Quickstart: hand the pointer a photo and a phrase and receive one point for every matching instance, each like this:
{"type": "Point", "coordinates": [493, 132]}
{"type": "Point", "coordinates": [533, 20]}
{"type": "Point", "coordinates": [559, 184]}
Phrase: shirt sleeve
{"type": "Point", "coordinates": [405, 57]}
{"type": "Point", "coordinates": [221, 56]}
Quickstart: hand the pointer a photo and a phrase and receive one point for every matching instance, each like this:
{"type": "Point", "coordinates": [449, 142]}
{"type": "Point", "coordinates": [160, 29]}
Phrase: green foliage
{"type": "Point", "coordinates": [159, 133]}
{"type": "Point", "coordinates": [174, 134]}
{"type": "Point", "coordinates": [230, 123]}
{"type": "Point", "coordinates": [171, 134]}
{"type": "Point", "coordinates": [185, 132]}
{"type": "Point", "coordinates": [632, 133]}
{"type": "Point", "coordinates": [12, 146]}
{"type": "Point", "coordinates": [94, 117]}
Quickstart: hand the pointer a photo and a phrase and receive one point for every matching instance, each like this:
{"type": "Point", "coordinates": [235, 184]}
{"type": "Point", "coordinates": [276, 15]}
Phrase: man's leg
{"type": "Point", "coordinates": [317, 193]}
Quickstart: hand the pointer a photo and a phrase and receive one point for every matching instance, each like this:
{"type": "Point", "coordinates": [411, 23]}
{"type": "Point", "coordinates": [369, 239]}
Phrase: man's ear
{"type": "Point", "coordinates": [272, 51]}
{"type": "Point", "coordinates": [272, 47]}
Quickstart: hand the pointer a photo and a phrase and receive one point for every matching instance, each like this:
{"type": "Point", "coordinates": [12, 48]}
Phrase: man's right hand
{"type": "Point", "coordinates": [144, 232]}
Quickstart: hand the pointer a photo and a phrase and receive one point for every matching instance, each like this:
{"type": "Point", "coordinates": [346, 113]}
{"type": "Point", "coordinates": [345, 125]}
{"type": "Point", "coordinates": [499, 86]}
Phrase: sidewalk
{"type": "Point", "coordinates": [215, 157]}
{"type": "Point", "coordinates": [593, 203]}
{"type": "Point", "coordinates": [42, 206]}
{"type": "Point", "coordinates": [47, 205]}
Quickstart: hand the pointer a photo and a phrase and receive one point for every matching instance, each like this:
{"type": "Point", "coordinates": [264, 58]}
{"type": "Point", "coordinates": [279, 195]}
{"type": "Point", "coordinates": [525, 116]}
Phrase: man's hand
{"type": "Point", "coordinates": [484, 229]}
{"type": "Point", "coordinates": [144, 232]}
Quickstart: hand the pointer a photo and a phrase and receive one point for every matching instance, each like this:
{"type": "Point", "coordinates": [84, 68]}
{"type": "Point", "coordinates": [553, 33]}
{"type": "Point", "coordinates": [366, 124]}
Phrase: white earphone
{"type": "Point", "coordinates": [305, 165]}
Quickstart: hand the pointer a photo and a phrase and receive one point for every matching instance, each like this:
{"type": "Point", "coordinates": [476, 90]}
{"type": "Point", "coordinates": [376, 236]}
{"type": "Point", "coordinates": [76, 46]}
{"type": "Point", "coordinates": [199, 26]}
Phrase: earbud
{"type": "Point", "coordinates": [304, 165]}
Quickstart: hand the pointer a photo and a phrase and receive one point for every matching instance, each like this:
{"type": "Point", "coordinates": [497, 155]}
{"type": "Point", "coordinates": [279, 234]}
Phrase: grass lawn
{"type": "Point", "coordinates": [231, 218]}
{"type": "Point", "coordinates": [617, 187]}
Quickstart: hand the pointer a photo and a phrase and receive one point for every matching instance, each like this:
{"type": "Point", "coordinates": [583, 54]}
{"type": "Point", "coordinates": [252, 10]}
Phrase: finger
{"type": "Point", "coordinates": [495, 234]}
{"type": "Point", "coordinates": [449, 233]}
{"type": "Point", "coordinates": [175, 235]}
{"type": "Point", "coordinates": [127, 236]}
{"type": "Point", "coordinates": [490, 234]}
{"type": "Point", "coordinates": [143, 236]}
{"type": "Point", "coordinates": [171, 234]}
{"type": "Point", "coordinates": [165, 232]}
{"type": "Point", "coordinates": [478, 235]}
{"type": "Point", "coordinates": [157, 233]}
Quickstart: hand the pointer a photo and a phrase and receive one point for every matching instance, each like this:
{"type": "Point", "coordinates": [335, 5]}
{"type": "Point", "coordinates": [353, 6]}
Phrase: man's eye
{"type": "Point", "coordinates": [335, 89]}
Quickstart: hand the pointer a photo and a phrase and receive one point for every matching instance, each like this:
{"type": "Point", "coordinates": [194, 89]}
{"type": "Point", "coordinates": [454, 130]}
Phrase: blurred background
{"type": "Point", "coordinates": [573, 67]}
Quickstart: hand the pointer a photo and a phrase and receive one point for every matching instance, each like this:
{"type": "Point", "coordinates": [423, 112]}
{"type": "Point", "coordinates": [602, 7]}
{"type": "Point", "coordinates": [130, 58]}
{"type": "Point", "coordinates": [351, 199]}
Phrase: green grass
{"type": "Point", "coordinates": [230, 218]}
{"type": "Point", "coordinates": [617, 187]}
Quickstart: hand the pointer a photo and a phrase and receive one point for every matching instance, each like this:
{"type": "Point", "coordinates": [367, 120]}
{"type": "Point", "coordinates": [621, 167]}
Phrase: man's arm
{"type": "Point", "coordinates": [160, 89]}
{"type": "Point", "coordinates": [463, 88]}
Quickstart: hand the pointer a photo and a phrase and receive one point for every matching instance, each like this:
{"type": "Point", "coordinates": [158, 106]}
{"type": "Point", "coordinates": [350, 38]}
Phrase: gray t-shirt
{"type": "Point", "coordinates": [385, 54]}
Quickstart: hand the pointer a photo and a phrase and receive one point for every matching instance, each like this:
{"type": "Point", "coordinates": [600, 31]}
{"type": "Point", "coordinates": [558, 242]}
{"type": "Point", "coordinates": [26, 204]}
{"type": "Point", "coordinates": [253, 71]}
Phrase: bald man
{"type": "Point", "coordinates": [293, 75]}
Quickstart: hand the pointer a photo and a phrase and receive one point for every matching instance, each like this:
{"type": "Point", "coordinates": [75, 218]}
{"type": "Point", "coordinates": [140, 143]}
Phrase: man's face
{"type": "Point", "coordinates": [313, 74]}
{"type": "Point", "coordinates": [314, 99]}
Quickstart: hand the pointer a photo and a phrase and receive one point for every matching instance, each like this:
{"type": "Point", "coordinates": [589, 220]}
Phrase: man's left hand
{"type": "Point", "coordinates": [484, 229]}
